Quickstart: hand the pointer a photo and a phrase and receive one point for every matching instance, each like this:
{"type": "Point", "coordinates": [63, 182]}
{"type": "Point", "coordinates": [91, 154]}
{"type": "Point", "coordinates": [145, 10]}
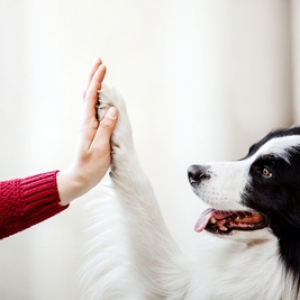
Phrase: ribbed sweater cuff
{"type": "Point", "coordinates": [26, 202]}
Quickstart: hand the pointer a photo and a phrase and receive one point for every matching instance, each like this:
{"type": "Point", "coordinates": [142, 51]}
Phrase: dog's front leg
{"type": "Point", "coordinates": [153, 250]}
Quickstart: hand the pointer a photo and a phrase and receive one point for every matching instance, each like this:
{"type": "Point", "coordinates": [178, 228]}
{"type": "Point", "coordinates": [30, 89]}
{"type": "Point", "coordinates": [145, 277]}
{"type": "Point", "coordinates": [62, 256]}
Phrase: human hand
{"type": "Point", "coordinates": [93, 153]}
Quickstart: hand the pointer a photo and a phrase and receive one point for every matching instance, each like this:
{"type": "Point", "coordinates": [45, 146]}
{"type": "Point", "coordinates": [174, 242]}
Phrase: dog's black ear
{"type": "Point", "coordinates": [295, 130]}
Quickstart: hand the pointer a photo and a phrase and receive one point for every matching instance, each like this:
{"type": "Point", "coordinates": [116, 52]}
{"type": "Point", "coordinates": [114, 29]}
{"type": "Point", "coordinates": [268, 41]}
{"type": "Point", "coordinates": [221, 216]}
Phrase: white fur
{"type": "Point", "coordinates": [279, 146]}
{"type": "Point", "coordinates": [133, 256]}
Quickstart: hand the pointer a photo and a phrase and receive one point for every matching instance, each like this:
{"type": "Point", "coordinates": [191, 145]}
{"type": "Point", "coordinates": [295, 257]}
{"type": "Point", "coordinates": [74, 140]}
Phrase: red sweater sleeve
{"type": "Point", "coordinates": [26, 202]}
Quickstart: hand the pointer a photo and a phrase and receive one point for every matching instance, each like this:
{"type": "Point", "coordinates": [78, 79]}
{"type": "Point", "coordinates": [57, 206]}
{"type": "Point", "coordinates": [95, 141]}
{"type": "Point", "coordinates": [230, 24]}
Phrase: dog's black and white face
{"type": "Point", "coordinates": [257, 197]}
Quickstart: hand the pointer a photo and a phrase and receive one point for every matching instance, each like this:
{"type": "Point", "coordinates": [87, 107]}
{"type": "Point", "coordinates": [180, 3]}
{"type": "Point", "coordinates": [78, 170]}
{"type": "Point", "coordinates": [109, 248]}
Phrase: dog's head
{"type": "Point", "coordinates": [256, 197]}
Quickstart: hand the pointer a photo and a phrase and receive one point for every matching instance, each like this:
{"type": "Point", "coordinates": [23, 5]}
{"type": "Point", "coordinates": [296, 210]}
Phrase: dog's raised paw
{"type": "Point", "coordinates": [121, 137]}
{"type": "Point", "coordinates": [109, 97]}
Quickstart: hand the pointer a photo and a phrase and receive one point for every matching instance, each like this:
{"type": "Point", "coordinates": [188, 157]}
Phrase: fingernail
{"type": "Point", "coordinates": [112, 113]}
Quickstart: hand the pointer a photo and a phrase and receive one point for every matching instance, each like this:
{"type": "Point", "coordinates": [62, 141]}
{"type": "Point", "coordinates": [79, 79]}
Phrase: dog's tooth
{"type": "Point", "coordinates": [213, 220]}
{"type": "Point", "coordinates": [239, 219]}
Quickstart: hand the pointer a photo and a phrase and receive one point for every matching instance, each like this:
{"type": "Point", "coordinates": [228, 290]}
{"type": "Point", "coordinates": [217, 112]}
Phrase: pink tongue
{"type": "Point", "coordinates": [203, 220]}
{"type": "Point", "coordinates": [207, 215]}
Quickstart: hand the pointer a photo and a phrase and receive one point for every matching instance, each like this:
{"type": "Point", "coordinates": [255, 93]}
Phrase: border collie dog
{"type": "Point", "coordinates": [250, 248]}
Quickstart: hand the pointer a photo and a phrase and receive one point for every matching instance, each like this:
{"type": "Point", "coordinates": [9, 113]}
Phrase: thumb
{"type": "Point", "coordinates": [107, 125]}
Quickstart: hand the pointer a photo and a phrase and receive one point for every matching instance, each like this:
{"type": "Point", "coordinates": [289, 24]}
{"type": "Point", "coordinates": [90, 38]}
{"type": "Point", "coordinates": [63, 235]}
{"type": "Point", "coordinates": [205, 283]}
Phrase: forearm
{"type": "Point", "coordinates": [28, 201]}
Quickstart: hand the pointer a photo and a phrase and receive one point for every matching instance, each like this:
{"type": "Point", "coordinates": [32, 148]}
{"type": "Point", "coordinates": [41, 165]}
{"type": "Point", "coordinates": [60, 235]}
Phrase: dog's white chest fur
{"type": "Point", "coordinates": [232, 270]}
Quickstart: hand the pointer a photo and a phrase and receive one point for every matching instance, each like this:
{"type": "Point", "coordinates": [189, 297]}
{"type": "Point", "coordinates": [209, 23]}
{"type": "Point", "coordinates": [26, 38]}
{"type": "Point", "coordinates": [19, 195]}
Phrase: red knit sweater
{"type": "Point", "coordinates": [26, 202]}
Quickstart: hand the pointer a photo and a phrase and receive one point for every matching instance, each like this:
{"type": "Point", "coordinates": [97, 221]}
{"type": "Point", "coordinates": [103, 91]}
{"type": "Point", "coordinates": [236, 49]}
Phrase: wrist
{"type": "Point", "coordinates": [70, 186]}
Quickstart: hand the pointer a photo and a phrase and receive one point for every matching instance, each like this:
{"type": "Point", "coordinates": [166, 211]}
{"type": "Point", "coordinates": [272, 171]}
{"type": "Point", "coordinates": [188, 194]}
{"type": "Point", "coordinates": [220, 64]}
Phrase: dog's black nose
{"type": "Point", "coordinates": [196, 173]}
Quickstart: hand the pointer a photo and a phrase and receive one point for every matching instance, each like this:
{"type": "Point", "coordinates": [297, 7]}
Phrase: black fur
{"type": "Point", "coordinates": [277, 197]}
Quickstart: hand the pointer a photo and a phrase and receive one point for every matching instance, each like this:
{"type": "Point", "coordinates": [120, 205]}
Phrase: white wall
{"type": "Point", "coordinates": [203, 80]}
{"type": "Point", "coordinates": [295, 22]}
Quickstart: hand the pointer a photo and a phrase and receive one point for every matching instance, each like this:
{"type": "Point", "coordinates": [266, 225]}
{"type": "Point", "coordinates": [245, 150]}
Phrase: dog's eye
{"type": "Point", "coordinates": [266, 173]}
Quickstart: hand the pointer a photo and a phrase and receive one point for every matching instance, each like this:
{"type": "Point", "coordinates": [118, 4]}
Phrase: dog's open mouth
{"type": "Point", "coordinates": [223, 222]}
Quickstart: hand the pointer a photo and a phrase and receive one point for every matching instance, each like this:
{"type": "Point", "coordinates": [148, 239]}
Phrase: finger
{"type": "Point", "coordinates": [95, 84]}
{"type": "Point", "coordinates": [98, 135]}
{"type": "Point", "coordinates": [94, 68]}
{"type": "Point", "coordinates": [92, 95]}
{"type": "Point", "coordinates": [106, 127]}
